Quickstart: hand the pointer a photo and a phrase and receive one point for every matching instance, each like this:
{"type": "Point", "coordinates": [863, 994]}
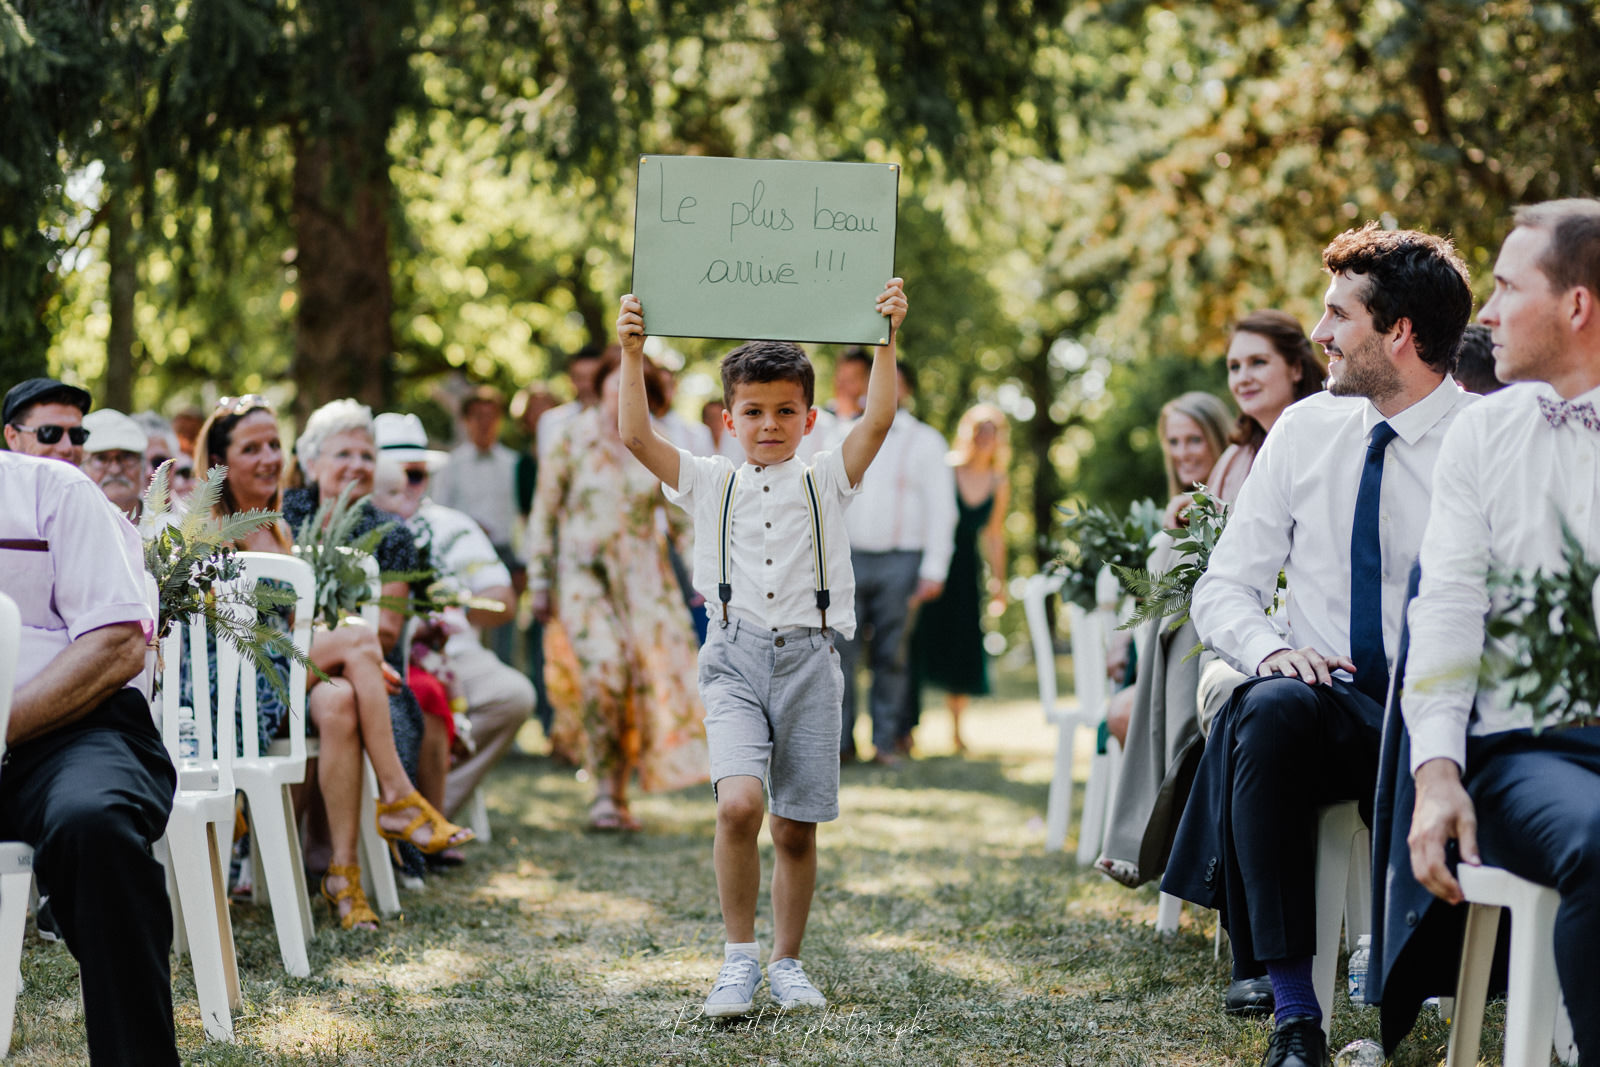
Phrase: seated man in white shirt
{"type": "Point", "coordinates": [87, 781]}
{"type": "Point", "coordinates": [499, 697]}
{"type": "Point", "coordinates": [1337, 500]}
{"type": "Point", "coordinates": [1515, 469]}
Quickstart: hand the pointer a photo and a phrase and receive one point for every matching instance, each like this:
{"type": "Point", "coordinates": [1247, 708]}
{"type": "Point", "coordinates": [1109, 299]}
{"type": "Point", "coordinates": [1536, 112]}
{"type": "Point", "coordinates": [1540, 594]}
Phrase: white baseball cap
{"type": "Point", "coordinates": [112, 431]}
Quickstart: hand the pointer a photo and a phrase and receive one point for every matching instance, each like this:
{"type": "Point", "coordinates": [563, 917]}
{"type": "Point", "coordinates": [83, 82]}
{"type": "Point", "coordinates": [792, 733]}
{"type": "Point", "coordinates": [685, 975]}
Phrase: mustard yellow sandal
{"type": "Point", "coordinates": [443, 833]}
{"type": "Point", "coordinates": [360, 911]}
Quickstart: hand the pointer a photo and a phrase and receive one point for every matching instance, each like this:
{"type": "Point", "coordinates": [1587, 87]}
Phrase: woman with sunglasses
{"type": "Point", "coordinates": [350, 710]}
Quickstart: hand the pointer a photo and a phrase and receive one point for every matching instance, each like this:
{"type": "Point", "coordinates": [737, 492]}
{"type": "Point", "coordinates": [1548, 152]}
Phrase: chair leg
{"type": "Point", "coordinates": [1566, 1044]}
{"type": "Point", "coordinates": [180, 936]}
{"type": "Point", "coordinates": [297, 862]}
{"type": "Point", "coordinates": [193, 845]}
{"type": "Point", "coordinates": [1058, 809]}
{"type": "Point", "coordinates": [274, 868]}
{"type": "Point", "coordinates": [377, 873]}
{"type": "Point", "coordinates": [1472, 984]}
{"type": "Point", "coordinates": [1533, 990]}
{"type": "Point", "coordinates": [14, 888]}
{"type": "Point", "coordinates": [1358, 890]}
{"type": "Point", "coordinates": [1103, 771]}
{"type": "Point", "coordinates": [1337, 828]}
{"type": "Point", "coordinates": [1168, 911]}
{"type": "Point", "coordinates": [480, 816]}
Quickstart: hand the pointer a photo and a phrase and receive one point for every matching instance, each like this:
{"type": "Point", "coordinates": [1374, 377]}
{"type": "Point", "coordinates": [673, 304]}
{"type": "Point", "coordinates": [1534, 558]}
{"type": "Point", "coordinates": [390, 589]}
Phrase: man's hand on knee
{"type": "Point", "coordinates": [1306, 664]}
{"type": "Point", "coordinates": [1443, 812]}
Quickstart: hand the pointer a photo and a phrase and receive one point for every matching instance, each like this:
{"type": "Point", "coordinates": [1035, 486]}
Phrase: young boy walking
{"type": "Point", "coordinates": [772, 559]}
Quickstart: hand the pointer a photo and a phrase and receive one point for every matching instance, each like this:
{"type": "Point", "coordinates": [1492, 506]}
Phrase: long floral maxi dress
{"type": "Point", "coordinates": [620, 625]}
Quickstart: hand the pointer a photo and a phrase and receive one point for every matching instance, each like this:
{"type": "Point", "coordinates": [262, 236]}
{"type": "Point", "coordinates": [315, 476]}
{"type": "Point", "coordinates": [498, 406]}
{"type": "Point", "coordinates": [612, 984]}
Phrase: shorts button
{"type": "Point", "coordinates": [769, 525]}
{"type": "Point", "coordinates": [769, 596]}
{"type": "Point", "coordinates": [766, 488]}
{"type": "Point", "coordinates": [769, 563]}
{"type": "Point", "coordinates": [779, 642]}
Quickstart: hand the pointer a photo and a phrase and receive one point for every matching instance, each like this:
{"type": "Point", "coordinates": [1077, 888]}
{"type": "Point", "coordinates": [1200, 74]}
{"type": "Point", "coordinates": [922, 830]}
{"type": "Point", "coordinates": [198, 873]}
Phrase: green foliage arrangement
{"type": "Point", "coordinates": [1094, 537]}
{"type": "Point", "coordinates": [1169, 594]}
{"type": "Point", "coordinates": [193, 557]}
{"type": "Point", "coordinates": [1547, 625]}
{"type": "Point", "coordinates": [329, 543]}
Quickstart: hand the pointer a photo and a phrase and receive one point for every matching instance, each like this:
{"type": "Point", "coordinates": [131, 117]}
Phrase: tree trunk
{"type": "Point", "coordinates": [343, 334]}
{"type": "Point", "coordinates": [116, 388]}
{"type": "Point", "coordinates": [1043, 430]}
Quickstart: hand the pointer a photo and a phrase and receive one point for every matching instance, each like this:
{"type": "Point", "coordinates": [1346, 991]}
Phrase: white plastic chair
{"type": "Point", "coordinates": [1343, 894]}
{"type": "Point", "coordinates": [265, 778]}
{"type": "Point", "coordinates": [377, 871]}
{"type": "Point", "coordinates": [16, 858]}
{"type": "Point", "coordinates": [1090, 632]}
{"type": "Point", "coordinates": [1536, 1017]}
{"type": "Point", "coordinates": [202, 813]}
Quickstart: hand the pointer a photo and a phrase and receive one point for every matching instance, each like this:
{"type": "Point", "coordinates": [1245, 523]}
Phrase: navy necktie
{"type": "Point", "coordinates": [1366, 574]}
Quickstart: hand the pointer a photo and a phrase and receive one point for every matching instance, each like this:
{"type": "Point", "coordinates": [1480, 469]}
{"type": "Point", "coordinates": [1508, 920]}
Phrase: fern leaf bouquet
{"type": "Point", "coordinates": [193, 556]}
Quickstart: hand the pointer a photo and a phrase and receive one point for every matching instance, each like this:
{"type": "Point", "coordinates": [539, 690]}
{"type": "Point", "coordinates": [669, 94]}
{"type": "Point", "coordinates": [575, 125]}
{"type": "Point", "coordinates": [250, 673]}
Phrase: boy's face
{"type": "Point", "coordinates": [769, 419]}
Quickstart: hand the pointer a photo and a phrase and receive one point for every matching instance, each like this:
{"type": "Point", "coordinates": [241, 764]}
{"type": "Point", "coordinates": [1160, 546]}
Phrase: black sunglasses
{"type": "Point", "coordinates": [49, 433]}
{"type": "Point", "coordinates": [416, 476]}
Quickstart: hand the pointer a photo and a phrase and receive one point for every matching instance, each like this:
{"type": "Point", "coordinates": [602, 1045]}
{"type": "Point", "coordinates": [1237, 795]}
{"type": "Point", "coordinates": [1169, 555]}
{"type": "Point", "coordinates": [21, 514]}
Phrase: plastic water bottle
{"type": "Point", "coordinates": [188, 742]}
{"type": "Point", "coordinates": [1363, 1053]}
{"type": "Point", "coordinates": [1357, 970]}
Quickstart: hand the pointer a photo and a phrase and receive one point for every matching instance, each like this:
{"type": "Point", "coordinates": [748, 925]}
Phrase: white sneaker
{"type": "Point", "coordinates": [735, 990]}
{"type": "Point", "coordinates": [790, 986]}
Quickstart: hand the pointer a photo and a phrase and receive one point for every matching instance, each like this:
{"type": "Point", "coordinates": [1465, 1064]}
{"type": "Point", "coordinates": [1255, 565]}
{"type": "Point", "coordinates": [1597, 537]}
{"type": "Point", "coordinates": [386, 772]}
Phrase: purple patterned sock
{"type": "Point", "coordinates": [1292, 991]}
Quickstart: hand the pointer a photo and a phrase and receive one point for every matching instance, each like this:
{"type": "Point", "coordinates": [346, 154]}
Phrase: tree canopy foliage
{"type": "Point", "coordinates": [377, 196]}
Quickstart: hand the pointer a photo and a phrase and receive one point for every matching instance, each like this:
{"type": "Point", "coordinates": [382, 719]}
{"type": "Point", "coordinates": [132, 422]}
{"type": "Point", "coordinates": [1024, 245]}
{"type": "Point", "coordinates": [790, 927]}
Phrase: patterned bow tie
{"type": "Point", "coordinates": [1557, 412]}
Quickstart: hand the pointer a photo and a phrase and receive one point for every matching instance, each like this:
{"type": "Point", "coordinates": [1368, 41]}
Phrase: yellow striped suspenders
{"type": "Point", "coordinates": [819, 544]}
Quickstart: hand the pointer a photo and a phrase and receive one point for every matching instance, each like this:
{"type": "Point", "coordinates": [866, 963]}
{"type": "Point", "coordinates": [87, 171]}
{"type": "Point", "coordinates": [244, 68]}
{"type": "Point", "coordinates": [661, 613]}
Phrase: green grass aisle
{"type": "Point", "coordinates": [941, 933]}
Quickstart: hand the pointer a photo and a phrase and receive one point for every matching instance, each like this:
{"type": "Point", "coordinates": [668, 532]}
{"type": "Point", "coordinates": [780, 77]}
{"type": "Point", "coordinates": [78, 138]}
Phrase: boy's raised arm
{"type": "Point", "coordinates": [633, 414]}
{"type": "Point", "coordinates": [883, 390]}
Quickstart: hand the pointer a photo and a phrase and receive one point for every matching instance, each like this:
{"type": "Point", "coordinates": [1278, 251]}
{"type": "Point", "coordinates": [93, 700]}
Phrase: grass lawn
{"type": "Point", "coordinates": [941, 934]}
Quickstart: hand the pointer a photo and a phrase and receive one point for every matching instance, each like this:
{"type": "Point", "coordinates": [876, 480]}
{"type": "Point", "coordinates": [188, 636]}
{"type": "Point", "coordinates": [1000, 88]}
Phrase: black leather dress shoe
{"type": "Point", "coordinates": [1248, 996]}
{"type": "Point", "coordinates": [1297, 1042]}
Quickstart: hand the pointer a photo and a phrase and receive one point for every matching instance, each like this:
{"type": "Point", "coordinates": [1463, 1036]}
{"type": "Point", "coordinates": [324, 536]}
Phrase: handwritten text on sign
{"type": "Point", "coordinates": [777, 249]}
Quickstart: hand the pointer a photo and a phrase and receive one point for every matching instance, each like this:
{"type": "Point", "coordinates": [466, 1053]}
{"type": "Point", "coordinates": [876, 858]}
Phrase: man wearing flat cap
{"type": "Point", "coordinates": [44, 417]}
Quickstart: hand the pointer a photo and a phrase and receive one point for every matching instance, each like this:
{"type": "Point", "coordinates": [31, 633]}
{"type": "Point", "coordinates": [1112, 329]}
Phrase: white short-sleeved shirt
{"type": "Point", "coordinates": [66, 558]}
{"type": "Point", "coordinates": [460, 551]}
{"type": "Point", "coordinates": [773, 577]}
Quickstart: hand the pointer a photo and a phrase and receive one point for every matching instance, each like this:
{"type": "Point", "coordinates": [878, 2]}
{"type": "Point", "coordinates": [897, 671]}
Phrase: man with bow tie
{"type": "Point", "coordinates": [1515, 468]}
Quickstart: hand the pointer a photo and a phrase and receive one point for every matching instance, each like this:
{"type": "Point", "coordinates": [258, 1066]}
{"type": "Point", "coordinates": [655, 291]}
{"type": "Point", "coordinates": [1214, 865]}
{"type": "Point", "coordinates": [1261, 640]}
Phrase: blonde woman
{"type": "Point", "coordinates": [947, 644]}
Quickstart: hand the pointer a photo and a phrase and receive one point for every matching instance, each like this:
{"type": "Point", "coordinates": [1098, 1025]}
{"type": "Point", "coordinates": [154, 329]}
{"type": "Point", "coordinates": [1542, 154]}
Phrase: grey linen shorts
{"type": "Point", "coordinates": [772, 712]}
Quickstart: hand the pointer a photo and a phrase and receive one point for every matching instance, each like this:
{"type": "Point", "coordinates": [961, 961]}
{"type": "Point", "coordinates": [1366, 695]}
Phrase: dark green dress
{"type": "Point", "coordinates": [947, 645]}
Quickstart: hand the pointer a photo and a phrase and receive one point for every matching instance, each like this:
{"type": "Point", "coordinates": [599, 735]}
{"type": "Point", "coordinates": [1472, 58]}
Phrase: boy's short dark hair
{"type": "Point", "coordinates": [1410, 275]}
{"type": "Point", "coordinates": [767, 361]}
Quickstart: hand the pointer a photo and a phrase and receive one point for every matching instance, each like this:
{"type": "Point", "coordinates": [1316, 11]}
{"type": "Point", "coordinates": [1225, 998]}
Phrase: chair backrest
{"type": "Point", "coordinates": [152, 595]}
{"type": "Point", "coordinates": [202, 766]}
{"type": "Point", "coordinates": [296, 574]}
{"type": "Point", "coordinates": [1036, 592]}
{"type": "Point", "coordinates": [1089, 636]}
{"type": "Point", "coordinates": [10, 640]}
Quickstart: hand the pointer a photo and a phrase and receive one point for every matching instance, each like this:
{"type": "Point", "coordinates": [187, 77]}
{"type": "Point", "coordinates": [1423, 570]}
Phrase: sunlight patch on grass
{"type": "Point", "coordinates": [307, 1026]}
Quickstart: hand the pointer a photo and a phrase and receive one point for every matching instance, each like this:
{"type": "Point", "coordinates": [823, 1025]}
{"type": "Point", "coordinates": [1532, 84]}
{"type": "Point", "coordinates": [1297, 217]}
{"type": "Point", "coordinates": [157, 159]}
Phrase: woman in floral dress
{"type": "Point", "coordinates": [619, 646]}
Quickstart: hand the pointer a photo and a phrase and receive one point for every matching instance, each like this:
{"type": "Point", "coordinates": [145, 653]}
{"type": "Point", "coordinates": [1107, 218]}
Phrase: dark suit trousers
{"type": "Point", "coordinates": [1538, 807]}
{"type": "Point", "coordinates": [91, 799]}
{"type": "Point", "coordinates": [1247, 842]}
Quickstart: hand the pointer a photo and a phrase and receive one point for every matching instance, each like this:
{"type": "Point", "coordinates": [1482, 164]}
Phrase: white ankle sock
{"type": "Point", "coordinates": [731, 949]}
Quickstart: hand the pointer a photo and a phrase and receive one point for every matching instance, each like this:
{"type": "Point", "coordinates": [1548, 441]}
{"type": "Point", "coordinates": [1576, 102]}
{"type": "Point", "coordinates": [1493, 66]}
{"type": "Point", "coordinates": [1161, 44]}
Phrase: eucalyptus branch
{"type": "Point", "coordinates": [1544, 622]}
{"type": "Point", "coordinates": [1093, 538]}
